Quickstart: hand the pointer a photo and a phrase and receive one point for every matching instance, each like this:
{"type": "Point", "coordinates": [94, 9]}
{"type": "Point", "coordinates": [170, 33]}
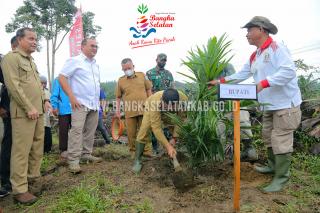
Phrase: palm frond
{"type": "Point", "coordinates": [198, 132]}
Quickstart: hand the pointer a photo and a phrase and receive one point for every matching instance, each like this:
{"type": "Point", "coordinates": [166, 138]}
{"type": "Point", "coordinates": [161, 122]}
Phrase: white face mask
{"type": "Point", "coordinates": [129, 72]}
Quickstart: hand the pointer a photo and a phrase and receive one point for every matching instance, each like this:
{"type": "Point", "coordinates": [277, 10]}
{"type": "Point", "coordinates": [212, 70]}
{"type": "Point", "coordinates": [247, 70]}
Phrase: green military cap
{"type": "Point", "coordinates": [162, 56]}
{"type": "Point", "coordinates": [260, 21]}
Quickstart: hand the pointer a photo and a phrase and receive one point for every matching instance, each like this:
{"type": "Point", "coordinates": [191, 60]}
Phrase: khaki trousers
{"type": "Point", "coordinates": [278, 127]}
{"type": "Point", "coordinates": [26, 152]}
{"type": "Point", "coordinates": [84, 123]}
{"type": "Point", "coordinates": [133, 125]}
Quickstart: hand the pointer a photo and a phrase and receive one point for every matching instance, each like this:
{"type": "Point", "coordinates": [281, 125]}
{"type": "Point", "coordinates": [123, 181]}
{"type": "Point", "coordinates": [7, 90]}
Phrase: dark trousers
{"type": "Point", "coordinates": [6, 154]}
{"type": "Point", "coordinates": [103, 130]}
{"type": "Point", "coordinates": [47, 139]}
{"type": "Point", "coordinates": [64, 127]}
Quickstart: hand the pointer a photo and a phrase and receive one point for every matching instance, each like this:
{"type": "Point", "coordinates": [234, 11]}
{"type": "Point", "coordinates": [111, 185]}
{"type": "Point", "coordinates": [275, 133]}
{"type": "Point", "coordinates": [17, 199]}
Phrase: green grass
{"type": "Point", "coordinates": [81, 199]}
{"type": "Point", "coordinates": [55, 139]}
{"type": "Point", "coordinates": [47, 162]}
{"type": "Point", "coordinates": [144, 207]}
{"type": "Point", "coordinates": [97, 194]}
{"type": "Point", "coordinates": [304, 184]}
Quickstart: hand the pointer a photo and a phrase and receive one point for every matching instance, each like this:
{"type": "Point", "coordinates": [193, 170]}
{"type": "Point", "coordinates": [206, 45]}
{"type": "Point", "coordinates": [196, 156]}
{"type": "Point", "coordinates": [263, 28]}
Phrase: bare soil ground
{"type": "Point", "coordinates": [212, 192]}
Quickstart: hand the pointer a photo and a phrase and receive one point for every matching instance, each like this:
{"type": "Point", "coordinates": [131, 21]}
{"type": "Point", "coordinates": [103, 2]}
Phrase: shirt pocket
{"type": "Point", "coordinates": [25, 72]}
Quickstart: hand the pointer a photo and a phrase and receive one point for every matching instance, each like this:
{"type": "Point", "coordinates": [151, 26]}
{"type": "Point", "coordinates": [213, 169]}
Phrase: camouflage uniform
{"type": "Point", "coordinates": [161, 79]}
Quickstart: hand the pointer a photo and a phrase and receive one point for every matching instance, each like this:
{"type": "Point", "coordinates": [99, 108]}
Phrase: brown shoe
{"type": "Point", "coordinates": [25, 198]}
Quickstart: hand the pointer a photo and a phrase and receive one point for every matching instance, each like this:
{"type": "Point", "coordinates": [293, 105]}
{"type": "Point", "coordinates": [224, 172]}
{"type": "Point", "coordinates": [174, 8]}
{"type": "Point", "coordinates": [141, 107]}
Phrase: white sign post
{"type": "Point", "coordinates": [237, 92]}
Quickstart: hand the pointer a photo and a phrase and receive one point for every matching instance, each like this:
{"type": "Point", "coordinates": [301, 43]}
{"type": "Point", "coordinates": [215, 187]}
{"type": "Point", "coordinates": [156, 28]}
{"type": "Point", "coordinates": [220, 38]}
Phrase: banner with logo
{"type": "Point", "coordinates": [76, 35]}
{"type": "Point", "coordinates": [152, 28]}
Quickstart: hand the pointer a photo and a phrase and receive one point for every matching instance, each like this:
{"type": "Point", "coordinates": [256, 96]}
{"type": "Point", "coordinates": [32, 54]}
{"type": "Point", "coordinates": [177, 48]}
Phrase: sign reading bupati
{"type": "Point", "coordinates": [152, 29]}
{"type": "Point", "coordinates": [237, 92]}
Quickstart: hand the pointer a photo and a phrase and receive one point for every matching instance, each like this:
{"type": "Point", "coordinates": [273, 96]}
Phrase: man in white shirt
{"type": "Point", "coordinates": [274, 72]}
{"type": "Point", "coordinates": [80, 80]}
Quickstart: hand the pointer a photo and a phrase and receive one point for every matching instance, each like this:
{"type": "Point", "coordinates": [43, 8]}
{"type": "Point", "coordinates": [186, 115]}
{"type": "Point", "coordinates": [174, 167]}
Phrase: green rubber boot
{"type": "Point", "coordinates": [282, 173]}
{"type": "Point", "coordinates": [137, 166]}
{"type": "Point", "coordinates": [269, 168]}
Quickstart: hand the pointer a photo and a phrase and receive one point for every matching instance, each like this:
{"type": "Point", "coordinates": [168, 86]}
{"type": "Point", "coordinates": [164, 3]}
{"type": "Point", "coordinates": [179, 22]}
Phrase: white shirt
{"type": "Point", "coordinates": [275, 65]}
{"type": "Point", "coordinates": [84, 78]}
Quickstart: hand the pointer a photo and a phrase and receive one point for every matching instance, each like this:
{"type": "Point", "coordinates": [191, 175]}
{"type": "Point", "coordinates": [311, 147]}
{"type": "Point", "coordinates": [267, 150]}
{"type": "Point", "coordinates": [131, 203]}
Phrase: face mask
{"type": "Point", "coordinates": [161, 65]}
{"type": "Point", "coordinates": [129, 72]}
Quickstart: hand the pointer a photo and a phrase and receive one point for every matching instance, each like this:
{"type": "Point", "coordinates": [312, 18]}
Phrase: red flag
{"type": "Point", "coordinates": [76, 35]}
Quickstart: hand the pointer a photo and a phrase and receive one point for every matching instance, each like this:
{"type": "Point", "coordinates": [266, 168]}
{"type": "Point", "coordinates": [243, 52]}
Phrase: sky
{"type": "Point", "coordinates": [195, 22]}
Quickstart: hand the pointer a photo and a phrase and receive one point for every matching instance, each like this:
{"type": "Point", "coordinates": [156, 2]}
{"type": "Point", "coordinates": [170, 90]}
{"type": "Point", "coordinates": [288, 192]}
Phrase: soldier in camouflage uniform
{"type": "Point", "coordinates": [161, 79]}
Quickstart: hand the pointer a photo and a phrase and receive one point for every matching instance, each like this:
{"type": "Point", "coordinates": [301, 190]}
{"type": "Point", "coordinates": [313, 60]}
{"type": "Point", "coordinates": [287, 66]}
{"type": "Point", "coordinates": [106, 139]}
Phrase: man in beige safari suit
{"type": "Point", "coordinates": [133, 88]}
{"type": "Point", "coordinates": [27, 105]}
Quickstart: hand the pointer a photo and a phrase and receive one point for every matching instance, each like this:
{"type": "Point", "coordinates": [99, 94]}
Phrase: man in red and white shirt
{"type": "Point", "coordinates": [274, 72]}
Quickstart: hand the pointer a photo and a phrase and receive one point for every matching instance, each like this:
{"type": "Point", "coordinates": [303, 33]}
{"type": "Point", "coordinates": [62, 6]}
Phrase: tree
{"type": "Point", "coordinates": [88, 28]}
{"type": "Point", "coordinates": [109, 88]}
{"type": "Point", "coordinates": [309, 81]}
{"type": "Point", "coordinates": [52, 21]}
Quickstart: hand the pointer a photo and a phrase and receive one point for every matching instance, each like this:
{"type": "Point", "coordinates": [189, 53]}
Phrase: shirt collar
{"type": "Point", "coordinates": [23, 53]}
{"type": "Point", "coordinates": [264, 46]}
{"type": "Point", "coordinates": [84, 57]}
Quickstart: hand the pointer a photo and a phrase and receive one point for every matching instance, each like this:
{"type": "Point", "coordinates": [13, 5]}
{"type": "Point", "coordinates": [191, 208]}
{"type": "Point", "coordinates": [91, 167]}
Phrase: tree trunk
{"type": "Point", "coordinates": [53, 63]}
{"type": "Point", "coordinates": [48, 62]}
{"type": "Point", "coordinates": [54, 44]}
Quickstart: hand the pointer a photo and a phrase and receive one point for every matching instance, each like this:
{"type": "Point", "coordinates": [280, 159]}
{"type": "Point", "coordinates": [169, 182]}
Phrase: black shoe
{"type": "Point", "coordinates": [4, 192]}
{"type": "Point", "coordinates": [7, 187]}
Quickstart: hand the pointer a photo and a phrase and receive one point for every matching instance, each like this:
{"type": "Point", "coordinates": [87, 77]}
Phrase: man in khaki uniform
{"type": "Point", "coordinates": [27, 105]}
{"type": "Point", "coordinates": [133, 88]}
{"type": "Point", "coordinates": [154, 118]}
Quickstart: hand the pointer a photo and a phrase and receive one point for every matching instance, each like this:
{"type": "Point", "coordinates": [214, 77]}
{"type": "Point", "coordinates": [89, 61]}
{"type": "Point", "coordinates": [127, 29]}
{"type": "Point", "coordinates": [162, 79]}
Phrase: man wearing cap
{"type": "Point", "coordinates": [161, 79]}
{"type": "Point", "coordinates": [274, 72]}
{"type": "Point", "coordinates": [133, 88]}
{"type": "Point", "coordinates": [154, 118]}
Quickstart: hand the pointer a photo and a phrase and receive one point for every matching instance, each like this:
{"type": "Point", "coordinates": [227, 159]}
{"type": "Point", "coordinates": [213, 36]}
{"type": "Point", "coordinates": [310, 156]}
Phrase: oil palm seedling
{"type": "Point", "coordinates": [198, 133]}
